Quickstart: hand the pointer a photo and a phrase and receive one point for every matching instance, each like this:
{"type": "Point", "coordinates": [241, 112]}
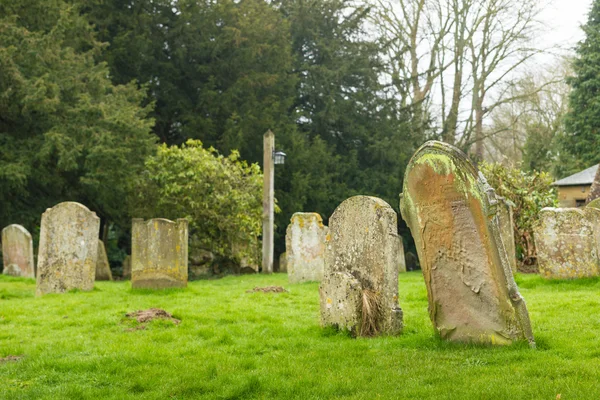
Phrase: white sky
{"type": "Point", "coordinates": [563, 19]}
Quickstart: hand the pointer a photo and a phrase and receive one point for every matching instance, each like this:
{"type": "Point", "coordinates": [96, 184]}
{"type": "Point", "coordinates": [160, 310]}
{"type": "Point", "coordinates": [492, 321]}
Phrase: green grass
{"type": "Point", "coordinates": [237, 345]}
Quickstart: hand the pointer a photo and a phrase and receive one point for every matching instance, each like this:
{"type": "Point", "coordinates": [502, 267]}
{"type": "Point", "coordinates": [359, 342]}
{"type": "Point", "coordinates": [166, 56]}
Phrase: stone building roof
{"type": "Point", "coordinates": [585, 177]}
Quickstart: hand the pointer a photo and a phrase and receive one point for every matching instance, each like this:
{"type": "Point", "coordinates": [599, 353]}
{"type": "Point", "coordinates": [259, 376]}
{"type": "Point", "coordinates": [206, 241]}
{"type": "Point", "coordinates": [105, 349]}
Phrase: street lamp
{"type": "Point", "coordinates": [279, 157]}
{"type": "Point", "coordinates": [270, 159]}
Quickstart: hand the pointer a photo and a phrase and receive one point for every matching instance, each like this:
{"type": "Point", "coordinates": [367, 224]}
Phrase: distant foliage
{"type": "Point", "coordinates": [66, 131]}
{"type": "Point", "coordinates": [530, 192]}
{"type": "Point", "coordinates": [582, 122]}
{"type": "Point", "coordinates": [220, 196]}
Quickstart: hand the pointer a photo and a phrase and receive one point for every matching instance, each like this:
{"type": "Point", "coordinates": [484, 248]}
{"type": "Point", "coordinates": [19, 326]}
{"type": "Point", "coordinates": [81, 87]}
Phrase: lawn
{"type": "Point", "coordinates": [231, 344]}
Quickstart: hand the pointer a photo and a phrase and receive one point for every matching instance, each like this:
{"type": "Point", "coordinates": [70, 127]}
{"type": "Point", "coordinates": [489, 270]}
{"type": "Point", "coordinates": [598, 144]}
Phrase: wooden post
{"type": "Point", "coordinates": [268, 202]}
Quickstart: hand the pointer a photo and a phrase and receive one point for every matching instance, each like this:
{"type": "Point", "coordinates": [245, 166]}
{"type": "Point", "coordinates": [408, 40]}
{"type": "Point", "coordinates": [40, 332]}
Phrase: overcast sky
{"type": "Point", "coordinates": [563, 19]}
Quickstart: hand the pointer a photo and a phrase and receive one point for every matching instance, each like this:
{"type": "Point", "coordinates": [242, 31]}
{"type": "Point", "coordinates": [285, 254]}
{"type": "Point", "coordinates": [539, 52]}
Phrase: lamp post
{"type": "Point", "coordinates": [270, 159]}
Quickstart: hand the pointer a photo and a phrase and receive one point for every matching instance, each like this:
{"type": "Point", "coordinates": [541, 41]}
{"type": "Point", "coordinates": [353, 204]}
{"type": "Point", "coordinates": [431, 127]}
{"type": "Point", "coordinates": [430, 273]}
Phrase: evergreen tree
{"type": "Point", "coordinates": [582, 139]}
{"type": "Point", "coordinates": [66, 132]}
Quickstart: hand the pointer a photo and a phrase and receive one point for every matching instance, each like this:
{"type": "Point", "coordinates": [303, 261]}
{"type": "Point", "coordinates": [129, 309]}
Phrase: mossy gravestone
{"type": "Point", "coordinates": [68, 249]}
{"type": "Point", "coordinates": [364, 255]}
{"type": "Point", "coordinates": [452, 215]}
{"type": "Point", "coordinates": [566, 243]}
{"type": "Point", "coordinates": [103, 272]}
{"type": "Point", "coordinates": [17, 252]}
{"type": "Point", "coordinates": [305, 247]}
{"type": "Point", "coordinates": [159, 253]}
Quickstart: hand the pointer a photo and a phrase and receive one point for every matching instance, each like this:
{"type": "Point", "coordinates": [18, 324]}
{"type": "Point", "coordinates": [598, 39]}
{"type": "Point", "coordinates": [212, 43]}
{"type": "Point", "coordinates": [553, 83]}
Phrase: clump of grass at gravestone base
{"type": "Point", "coordinates": [231, 344]}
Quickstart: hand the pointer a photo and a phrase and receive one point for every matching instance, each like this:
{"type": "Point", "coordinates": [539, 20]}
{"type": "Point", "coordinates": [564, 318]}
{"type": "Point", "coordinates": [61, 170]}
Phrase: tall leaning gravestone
{"type": "Point", "coordinates": [159, 253]}
{"type": "Point", "coordinates": [452, 215]}
{"type": "Point", "coordinates": [17, 252]}
{"type": "Point", "coordinates": [364, 255]}
{"type": "Point", "coordinates": [305, 247]}
{"type": "Point", "coordinates": [68, 249]}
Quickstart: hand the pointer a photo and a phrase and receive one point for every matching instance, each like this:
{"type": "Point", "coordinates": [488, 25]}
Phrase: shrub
{"type": "Point", "coordinates": [221, 197]}
{"type": "Point", "coordinates": [530, 192]}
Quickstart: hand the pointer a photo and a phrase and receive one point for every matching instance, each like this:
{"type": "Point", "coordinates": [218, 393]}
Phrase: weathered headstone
{"type": "Point", "coordinates": [507, 232]}
{"type": "Point", "coordinates": [127, 267]}
{"type": "Point", "coordinates": [17, 252]}
{"type": "Point", "coordinates": [593, 204]}
{"type": "Point", "coordinates": [159, 253]}
{"type": "Point", "coordinates": [68, 249]}
{"type": "Point", "coordinates": [103, 272]}
{"type": "Point", "coordinates": [565, 243]}
{"type": "Point", "coordinates": [452, 215]}
{"type": "Point", "coordinates": [305, 247]}
{"type": "Point", "coordinates": [283, 263]}
{"type": "Point", "coordinates": [364, 255]}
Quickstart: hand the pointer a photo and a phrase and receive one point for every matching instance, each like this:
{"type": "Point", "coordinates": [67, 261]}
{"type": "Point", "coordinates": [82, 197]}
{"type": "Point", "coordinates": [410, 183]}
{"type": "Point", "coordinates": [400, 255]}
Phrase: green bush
{"type": "Point", "coordinates": [530, 192]}
{"type": "Point", "coordinates": [221, 197]}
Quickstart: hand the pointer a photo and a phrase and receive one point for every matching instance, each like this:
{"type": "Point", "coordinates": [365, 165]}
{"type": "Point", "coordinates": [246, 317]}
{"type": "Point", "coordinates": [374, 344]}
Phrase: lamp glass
{"type": "Point", "coordinates": [279, 157]}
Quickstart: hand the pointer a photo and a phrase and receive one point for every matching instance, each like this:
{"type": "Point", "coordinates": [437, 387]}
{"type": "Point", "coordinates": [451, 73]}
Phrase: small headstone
{"type": "Point", "coordinates": [565, 243]}
{"type": "Point", "coordinates": [68, 250]}
{"type": "Point", "coordinates": [364, 255]}
{"type": "Point", "coordinates": [159, 253]}
{"type": "Point", "coordinates": [127, 267]}
{"type": "Point", "coordinates": [103, 272]}
{"type": "Point", "coordinates": [305, 247]}
{"type": "Point", "coordinates": [283, 262]}
{"type": "Point", "coordinates": [17, 252]}
{"type": "Point", "coordinates": [453, 216]}
{"type": "Point", "coordinates": [507, 232]}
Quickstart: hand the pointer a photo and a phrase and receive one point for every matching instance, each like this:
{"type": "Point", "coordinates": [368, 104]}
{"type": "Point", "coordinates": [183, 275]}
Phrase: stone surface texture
{"type": "Point", "coordinates": [566, 243]}
{"type": "Point", "coordinates": [159, 253]}
{"type": "Point", "coordinates": [341, 301]}
{"type": "Point", "coordinates": [283, 262]}
{"type": "Point", "coordinates": [17, 252]}
{"type": "Point", "coordinates": [68, 250]}
{"type": "Point", "coordinates": [127, 267]}
{"type": "Point", "coordinates": [305, 247]}
{"type": "Point", "coordinates": [507, 232]}
{"type": "Point", "coordinates": [593, 204]}
{"type": "Point", "coordinates": [103, 272]}
{"type": "Point", "coordinates": [364, 253]}
{"type": "Point", "coordinates": [453, 216]}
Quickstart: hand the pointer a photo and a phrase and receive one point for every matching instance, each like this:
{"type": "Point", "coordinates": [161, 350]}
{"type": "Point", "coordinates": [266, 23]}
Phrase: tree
{"type": "Point", "coordinates": [220, 196]}
{"type": "Point", "coordinates": [528, 129]}
{"type": "Point", "coordinates": [582, 139]}
{"type": "Point", "coordinates": [458, 58]}
{"type": "Point", "coordinates": [66, 132]}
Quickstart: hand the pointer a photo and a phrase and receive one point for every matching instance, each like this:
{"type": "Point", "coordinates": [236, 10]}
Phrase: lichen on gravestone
{"type": "Point", "coordinates": [363, 257]}
{"type": "Point", "coordinates": [159, 253]}
{"type": "Point", "coordinates": [305, 248]}
{"type": "Point", "coordinates": [68, 249]}
{"type": "Point", "coordinates": [17, 252]}
{"type": "Point", "coordinates": [452, 214]}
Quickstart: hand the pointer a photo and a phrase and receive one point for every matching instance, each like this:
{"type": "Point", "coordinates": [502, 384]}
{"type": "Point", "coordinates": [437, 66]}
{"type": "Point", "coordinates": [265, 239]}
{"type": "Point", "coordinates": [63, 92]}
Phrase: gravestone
{"type": "Point", "coordinates": [283, 262]}
{"type": "Point", "coordinates": [68, 249]}
{"type": "Point", "coordinates": [452, 214]}
{"type": "Point", "coordinates": [305, 247]}
{"type": "Point", "coordinates": [594, 204]}
{"type": "Point", "coordinates": [507, 232]}
{"type": "Point", "coordinates": [17, 252]}
{"type": "Point", "coordinates": [566, 243]}
{"type": "Point", "coordinates": [127, 267]}
{"type": "Point", "coordinates": [363, 257]}
{"type": "Point", "coordinates": [159, 253]}
{"type": "Point", "coordinates": [103, 272]}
